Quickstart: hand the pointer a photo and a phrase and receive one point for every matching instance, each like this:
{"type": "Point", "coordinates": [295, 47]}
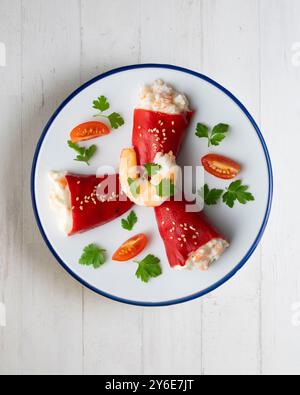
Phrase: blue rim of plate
{"type": "Point", "coordinates": [260, 233]}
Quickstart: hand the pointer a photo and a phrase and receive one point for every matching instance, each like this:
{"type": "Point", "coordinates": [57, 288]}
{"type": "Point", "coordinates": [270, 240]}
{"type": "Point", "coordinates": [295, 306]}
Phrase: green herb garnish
{"type": "Point", "coordinates": [103, 105]}
{"type": "Point", "coordinates": [148, 268]}
{"type": "Point", "coordinates": [135, 187]}
{"type": "Point", "coordinates": [216, 136]}
{"type": "Point", "coordinates": [84, 154]}
{"type": "Point", "coordinates": [131, 220]}
{"type": "Point", "coordinates": [93, 256]}
{"type": "Point", "coordinates": [212, 196]}
{"type": "Point", "coordinates": [237, 192]}
{"type": "Point", "coordinates": [152, 169]}
{"type": "Point", "coordinates": [166, 188]}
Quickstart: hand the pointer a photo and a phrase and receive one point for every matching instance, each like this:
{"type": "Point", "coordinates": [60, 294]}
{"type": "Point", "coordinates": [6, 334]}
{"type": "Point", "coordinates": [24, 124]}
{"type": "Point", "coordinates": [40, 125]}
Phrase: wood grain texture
{"type": "Point", "coordinates": [11, 212]}
{"type": "Point", "coordinates": [51, 301]}
{"type": "Point", "coordinates": [55, 326]}
{"type": "Point", "coordinates": [280, 121]}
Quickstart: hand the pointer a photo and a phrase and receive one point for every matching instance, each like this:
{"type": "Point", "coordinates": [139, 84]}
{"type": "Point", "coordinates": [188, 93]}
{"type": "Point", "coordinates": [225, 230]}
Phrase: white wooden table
{"type": "Point", "coordinates": [54, 326]}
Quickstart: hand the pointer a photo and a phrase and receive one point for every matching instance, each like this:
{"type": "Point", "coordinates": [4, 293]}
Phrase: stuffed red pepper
{"type": "Point", "coordinates": [161, 120]}
{"type": "Point", "coordinates": [190, 240]}
{"type": "Point", "coordinates": [85, 202]}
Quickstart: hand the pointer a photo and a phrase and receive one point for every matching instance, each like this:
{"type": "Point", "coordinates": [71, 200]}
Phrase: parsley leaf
{"type": "Point", "coordinates": [101, 104]}
{"type": "Point", "coordinates": [74, 146]}
{"type": "Point", "coordinates": [131, 220]}
{"type": "Point", "coordinates": [134, 187]}
{"type": "Point", "coordinates": [93, 256]}
{"type": "Point", "coordinates": [166, 188]}
{"type": "Point", "coordinates": [116, 120]}
{"type": "Point", "coordinates": [221, 128]}
{"type": "Point", "coordinates": [216, 136]}
{"type": "Point", "coordinates": [237, 192]}
{"type": "Point", "coordinates": [202, 131]}
{"type": "Point", "coordinates": [148, 268]}
{"type": "Point", "coordinates": [152, 169]}
{"type": "Point", "coordinates": [84, 154]}
{"type": "Point", "coordinates": [212, 197]}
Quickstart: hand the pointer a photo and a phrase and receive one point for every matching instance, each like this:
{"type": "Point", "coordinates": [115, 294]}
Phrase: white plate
{"type": "Point", "coordinates": [243, 225]}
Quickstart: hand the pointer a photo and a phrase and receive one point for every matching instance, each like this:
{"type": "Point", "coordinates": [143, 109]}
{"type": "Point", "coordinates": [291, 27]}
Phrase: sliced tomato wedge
{"type": "Point", "coordinates": [131, 248]}
{"type": "Point", "coordinates": [89, 131]}
{"type": "Point", "coordinates": [221, 166]}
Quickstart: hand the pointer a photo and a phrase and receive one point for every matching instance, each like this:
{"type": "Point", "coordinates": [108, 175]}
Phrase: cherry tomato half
{"type": "Point", "coordinates": [131, 248]}
{"type": "Point", "coordinates": [89, 131]}
{"type": "Point", "coordinates": [220, 166]}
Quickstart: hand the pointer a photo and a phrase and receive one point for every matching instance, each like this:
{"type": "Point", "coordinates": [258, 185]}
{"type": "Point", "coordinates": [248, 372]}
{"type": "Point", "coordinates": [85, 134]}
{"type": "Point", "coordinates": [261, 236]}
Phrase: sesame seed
{"type": "Point", "coordinates": [81, 208]}
{"type": "Point", "coordinates": [78, 182]}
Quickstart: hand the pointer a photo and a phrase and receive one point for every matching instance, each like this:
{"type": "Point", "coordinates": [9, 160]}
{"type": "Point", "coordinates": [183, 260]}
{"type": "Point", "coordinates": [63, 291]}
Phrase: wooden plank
{"type": "Point", "coordinates": [172, 35]}
{"type": "Point", "coordinates": [172, 341]}
{"type": "Point", "coordinates": [10, 179]}
{"type": "Point", "coordinates": [51, 300]}
{"type": "Point", "coordinates": [112, 331]}
{"type": "Point", "coordinates": [280, 114]}
{"type": "Point", "coordinates": [231, 315]}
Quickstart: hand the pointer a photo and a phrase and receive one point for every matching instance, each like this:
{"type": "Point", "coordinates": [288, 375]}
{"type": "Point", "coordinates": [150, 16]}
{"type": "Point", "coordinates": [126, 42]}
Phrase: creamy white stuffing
{"type": "Point", "coordinates": [168, 170]}
{"type": "Point", "coordinates": [60, 200]}
{"type": "Point", "coordinates": [163, 98]}
{"type": "Point", "coordinates": [205, 256]}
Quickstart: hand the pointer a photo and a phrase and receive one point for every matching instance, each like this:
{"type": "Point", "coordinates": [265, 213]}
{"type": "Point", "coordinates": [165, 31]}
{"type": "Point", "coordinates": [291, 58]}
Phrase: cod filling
{"type": "Point", "coordinates": [205, 256]}
{"type": "Point", "coordinates": [162, 97]}
{"type": "Point", "coordinates": [60, 200]}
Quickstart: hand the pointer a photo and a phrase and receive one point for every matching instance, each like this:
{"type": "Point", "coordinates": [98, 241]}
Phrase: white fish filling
{"type": "Point", "coordinates": [205, 256]}
{"type": "Point", "coordinates": [60, 201]}
{"type": "Point", "coordinates": [163, 98]}
{"type": "Point", "coordinates": [168, 168]}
